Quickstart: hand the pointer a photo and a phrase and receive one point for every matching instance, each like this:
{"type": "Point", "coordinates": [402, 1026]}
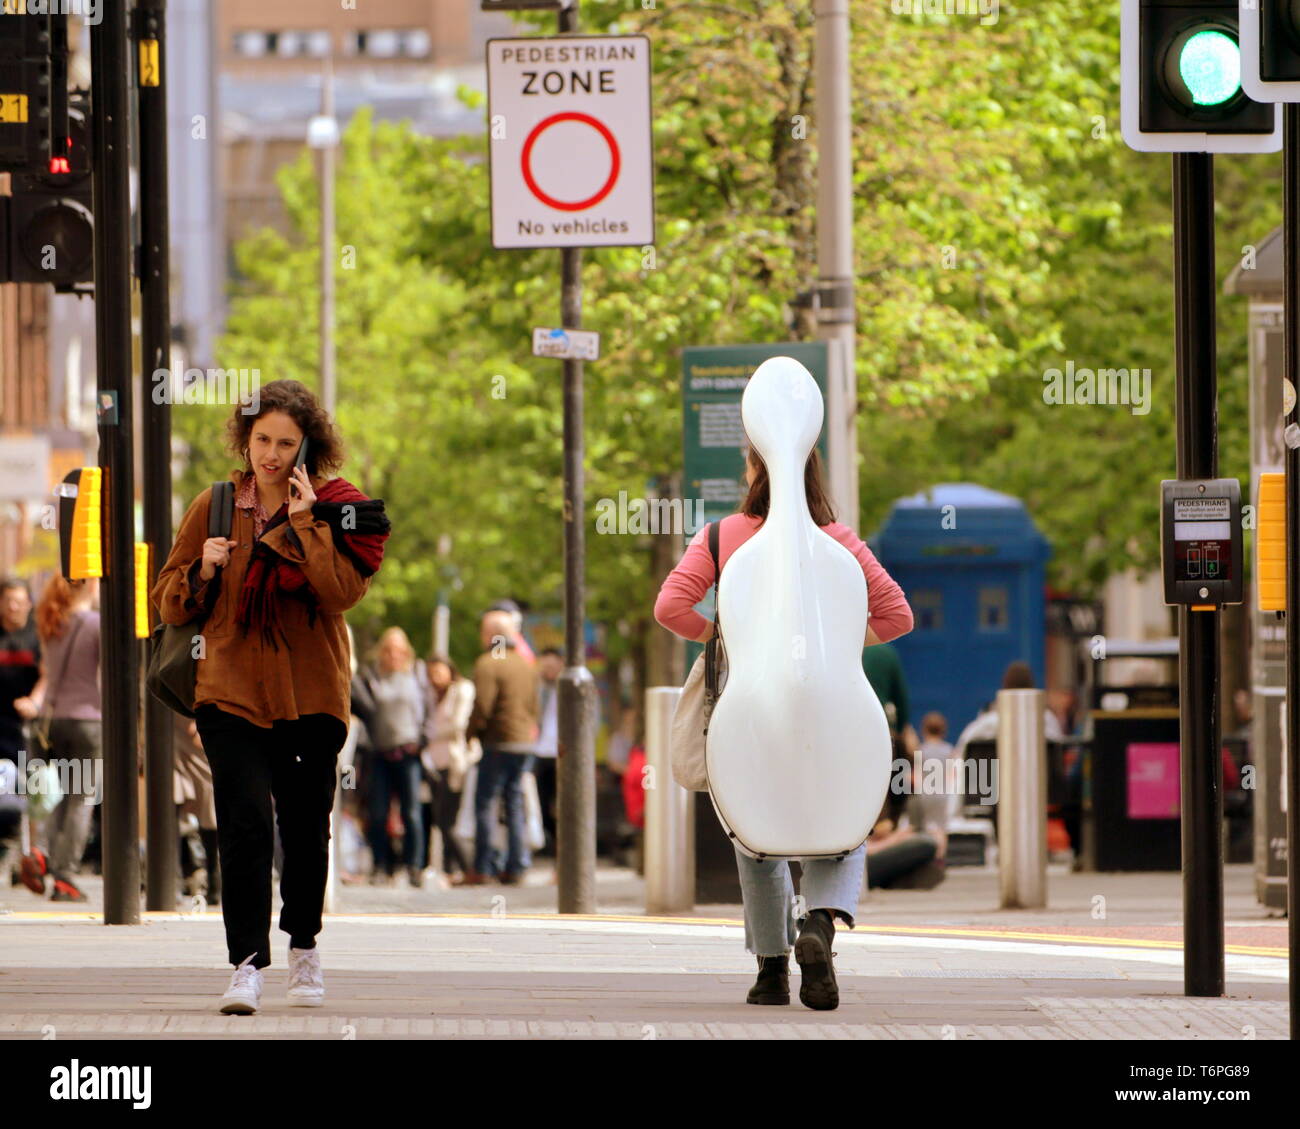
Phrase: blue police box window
{"type": "Point", "coordinates": [927, 609]}
{"type": "Point", "coordinates": [993, 609]}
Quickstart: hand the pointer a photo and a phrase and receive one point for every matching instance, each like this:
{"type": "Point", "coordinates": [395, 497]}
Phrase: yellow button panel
{"type": "Point", "coordinates": [1270, 543]}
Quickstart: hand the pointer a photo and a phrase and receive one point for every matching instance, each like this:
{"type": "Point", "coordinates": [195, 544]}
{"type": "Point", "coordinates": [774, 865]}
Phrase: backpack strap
{"type": "Point", "coordinates": [221, 520]}
{"type": "Point", "coordinates": [221, 511]}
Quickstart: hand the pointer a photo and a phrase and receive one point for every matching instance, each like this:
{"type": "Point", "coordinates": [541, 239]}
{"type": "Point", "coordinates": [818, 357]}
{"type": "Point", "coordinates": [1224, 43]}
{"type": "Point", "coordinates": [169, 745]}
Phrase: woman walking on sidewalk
{"type": "Point", "coordinates": [67, 620]}
{"type": "Point", "coordinates": [829, 888]}
{"type": "Point", "coordinates": [271, 694]}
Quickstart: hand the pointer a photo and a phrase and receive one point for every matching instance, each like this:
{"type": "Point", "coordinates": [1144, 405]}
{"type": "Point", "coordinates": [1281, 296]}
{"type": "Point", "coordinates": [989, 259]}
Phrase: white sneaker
{"type": "Point", "coordinates": [306, 981]}
{"type": "Point", "coordinates": [245, 991]}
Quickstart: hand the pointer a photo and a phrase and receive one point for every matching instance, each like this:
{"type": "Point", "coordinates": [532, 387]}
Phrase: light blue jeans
{"type": "Point", "coordinates": [766, 886]}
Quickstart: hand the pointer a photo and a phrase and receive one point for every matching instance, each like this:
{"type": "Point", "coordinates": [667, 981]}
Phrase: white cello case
{"type": "Point", "coordinates": [798, 748]}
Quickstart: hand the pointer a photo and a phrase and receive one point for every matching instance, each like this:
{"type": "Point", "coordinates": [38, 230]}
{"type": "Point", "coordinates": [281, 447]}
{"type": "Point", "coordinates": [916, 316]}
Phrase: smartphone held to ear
{"type": "Point", "coordinates": [300, 461]}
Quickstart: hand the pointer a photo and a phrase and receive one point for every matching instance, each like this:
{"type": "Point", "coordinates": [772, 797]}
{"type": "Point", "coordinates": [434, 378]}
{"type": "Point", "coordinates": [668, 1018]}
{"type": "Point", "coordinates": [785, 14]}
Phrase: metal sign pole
{"type": "Point", "coordinates": [576, 765]}
{"type": "Point", "coordinates": [121, 854]}
{"type": "Point", "coordinates": [1291, 458]}
{"type": "Point", "coordinates": [155, 350]}
{"type": "Point", "coordinates": [1198, 631]}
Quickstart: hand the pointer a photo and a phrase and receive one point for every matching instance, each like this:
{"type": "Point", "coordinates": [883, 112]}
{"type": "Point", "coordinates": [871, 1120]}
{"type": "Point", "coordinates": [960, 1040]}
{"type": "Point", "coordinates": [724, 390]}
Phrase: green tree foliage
{"type": "Point", "coordinates": [1001, 229]}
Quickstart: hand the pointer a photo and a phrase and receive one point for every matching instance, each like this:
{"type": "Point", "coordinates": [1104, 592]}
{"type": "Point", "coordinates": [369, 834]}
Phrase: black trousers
{"type": "Point", "coordinates": [446, 805]}
{"type": "Point", "coordinates": [294, 764]}
{"type": "Point", "coordinates": [544, 774]}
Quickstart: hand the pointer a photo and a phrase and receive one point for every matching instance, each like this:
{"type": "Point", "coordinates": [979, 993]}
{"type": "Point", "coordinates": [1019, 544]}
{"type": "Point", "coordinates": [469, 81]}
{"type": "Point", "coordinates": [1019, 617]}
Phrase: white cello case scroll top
{"type": "Point", "coordinates": [798, 748]}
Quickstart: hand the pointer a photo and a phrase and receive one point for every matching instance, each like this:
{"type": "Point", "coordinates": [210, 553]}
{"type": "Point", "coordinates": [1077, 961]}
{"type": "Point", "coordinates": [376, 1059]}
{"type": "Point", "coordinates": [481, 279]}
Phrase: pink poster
{"type": "Point", "coordinates": [1153, 790]}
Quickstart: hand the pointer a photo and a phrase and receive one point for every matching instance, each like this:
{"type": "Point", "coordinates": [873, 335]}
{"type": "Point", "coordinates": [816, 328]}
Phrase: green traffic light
{"type": "Point", "coordinates": [1209, 63]}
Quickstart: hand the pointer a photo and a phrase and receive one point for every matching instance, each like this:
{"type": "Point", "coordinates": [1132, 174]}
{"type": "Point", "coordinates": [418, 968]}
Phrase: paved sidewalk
{"type": "Point", "coordinates": [546, 976]}
{"type": "Point", "coordinates": [968, 897]}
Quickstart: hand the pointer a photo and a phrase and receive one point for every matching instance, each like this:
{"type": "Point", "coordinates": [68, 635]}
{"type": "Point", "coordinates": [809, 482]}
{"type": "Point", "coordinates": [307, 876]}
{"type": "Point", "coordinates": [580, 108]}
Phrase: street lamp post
{"type": "Point", "coordinates": [323, 135]}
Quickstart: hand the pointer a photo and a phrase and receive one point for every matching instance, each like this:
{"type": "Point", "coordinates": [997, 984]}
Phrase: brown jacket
{"type": "Point", "coordinates": [505, 701]}
{"type": "Point", "coordinates": [241, 673]}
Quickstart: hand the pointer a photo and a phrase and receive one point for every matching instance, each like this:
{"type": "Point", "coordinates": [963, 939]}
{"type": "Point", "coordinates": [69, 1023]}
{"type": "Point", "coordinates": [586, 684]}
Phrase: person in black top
{"type": "Point", "coordinates": [20, 665]}
{"type": "Point", "coordinates": [20, 673]}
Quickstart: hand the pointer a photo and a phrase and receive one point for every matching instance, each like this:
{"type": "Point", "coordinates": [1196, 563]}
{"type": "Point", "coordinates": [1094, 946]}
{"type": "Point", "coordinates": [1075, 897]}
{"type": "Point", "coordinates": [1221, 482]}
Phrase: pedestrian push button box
{"type": "Point", "coordinates": [1201, 542]}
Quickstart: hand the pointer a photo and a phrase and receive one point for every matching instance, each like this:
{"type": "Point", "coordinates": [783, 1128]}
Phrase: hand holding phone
{"type": "Point", "coordinates": [299, 462]}
{"type": "Point", "coordinates": [301, 495]}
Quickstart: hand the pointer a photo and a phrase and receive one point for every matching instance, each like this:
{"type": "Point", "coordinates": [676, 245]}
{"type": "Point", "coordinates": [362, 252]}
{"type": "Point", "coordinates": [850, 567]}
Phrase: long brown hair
{"type": "Point", "coordinates": [54, 609]}
{"type": "Point", "coordinates": [759, 498]}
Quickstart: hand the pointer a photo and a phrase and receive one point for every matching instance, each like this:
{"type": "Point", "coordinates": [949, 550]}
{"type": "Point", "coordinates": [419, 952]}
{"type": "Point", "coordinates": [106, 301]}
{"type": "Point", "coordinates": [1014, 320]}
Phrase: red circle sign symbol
{"type": "Point", "coordinates": [525, 161]}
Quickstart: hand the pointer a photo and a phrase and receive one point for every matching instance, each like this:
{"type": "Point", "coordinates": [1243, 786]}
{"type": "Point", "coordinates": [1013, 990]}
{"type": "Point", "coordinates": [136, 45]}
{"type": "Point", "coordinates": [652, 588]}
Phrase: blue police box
{"type": "Point", "coordinates": [973, 566]}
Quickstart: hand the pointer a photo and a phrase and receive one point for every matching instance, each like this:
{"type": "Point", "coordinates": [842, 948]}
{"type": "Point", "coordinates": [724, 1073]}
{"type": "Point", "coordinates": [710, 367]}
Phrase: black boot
{"type": "Point", "coordinates": [812, 949]}
{"type": "Point", "coordinates": [773, 983]}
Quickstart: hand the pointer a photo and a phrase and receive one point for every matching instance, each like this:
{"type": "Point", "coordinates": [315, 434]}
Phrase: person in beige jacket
{"type": "Point", "coordinates": [504, 719]}
{"type": "Point", "coordinates": [448, 753]}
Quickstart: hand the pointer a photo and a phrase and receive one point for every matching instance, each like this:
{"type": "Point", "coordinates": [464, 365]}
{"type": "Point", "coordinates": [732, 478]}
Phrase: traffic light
{"type": "Point", "coordinates": [1180, 81]}
{"type": "Point", "coordinates": [27, 89]}
{"type": "Point", "coordinates": [1270, 49]}
{"type": "Point", "coordinates": [47, 228]}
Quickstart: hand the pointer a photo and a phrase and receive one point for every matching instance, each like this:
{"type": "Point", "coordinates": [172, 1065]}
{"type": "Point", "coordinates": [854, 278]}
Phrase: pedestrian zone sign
{"type": "Point", "coordinates": [572, 162]}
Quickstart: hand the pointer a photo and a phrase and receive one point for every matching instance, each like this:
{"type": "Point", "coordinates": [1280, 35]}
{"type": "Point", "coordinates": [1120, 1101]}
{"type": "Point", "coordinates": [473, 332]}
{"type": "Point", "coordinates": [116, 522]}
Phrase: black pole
{"type": "Point", "coordinates": [1198, 631]}
{"type": "Point", "coordinates": [155, 351]}
{"type": "Point", "coordinates": [576, 767]}
{"type": "Point", "coordinates": [1291, 362]}
{"type": "Point", "coordinates": [109, 60]}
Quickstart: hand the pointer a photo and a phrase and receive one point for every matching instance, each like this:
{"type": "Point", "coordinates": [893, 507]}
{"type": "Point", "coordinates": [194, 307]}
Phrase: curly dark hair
{"type": "Point", "coordinates": [296, 400]}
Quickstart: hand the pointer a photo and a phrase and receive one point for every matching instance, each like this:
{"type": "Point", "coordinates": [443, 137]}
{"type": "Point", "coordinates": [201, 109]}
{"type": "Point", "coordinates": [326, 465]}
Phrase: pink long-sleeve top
{"type": "Point", "coordinates": [685, 586]}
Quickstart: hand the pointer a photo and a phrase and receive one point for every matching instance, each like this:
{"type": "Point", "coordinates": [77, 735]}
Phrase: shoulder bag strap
{"type": "Point", "coordinates": [47, 707]}
{"type": "Point", "coordinates": [711, 647]}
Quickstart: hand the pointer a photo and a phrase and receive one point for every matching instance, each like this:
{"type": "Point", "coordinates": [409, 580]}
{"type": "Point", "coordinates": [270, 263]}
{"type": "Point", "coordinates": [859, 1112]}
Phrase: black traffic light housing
{"type": "Point", "coordinates": [30, 47]}
{"type": "Point", "coordinates": [47, 226]}
{"type": "Point", "coordinates": [1279, 46]}
{"type": "Point", "coordinates": [1270, 49]}
{"type": "Point", "coordinates": [1163, 108]}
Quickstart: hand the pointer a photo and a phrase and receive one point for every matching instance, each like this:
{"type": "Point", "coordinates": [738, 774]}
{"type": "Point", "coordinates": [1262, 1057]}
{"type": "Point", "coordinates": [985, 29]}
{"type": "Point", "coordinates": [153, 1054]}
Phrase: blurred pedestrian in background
{"type": "Point", "coordinates": [399, 690]}
{"type": "Point", "coordinates": [1017, 676]}
{"type": "Point", "coordinates": [550, 665]}
{"type": "Point", "coordinates": [1243, 712]}
{"type": "Point", "coordinates": [618, 748]}
{"type": "Point", "coordinates": [884, 670]}
{"type": "Point", "coordinates": [196, 812]}
{"type": "Point", "coordinates": [909, 844]}
{"type": "Point", "coordinates": [504, 719]}
{"type": "Point", "coordinates": [934, 730]}
{"type": "Point", "coordinates": [448, 754]}
{"type": "Point", "coordinates": [516, 629]}
{"type": "Point", "coordinates": [69, 721]}
{"type": "Point", "coordinates": [20, 673]}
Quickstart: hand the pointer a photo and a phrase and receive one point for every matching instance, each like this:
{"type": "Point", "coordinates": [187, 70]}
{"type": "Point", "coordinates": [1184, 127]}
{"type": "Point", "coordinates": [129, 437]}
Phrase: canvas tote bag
{"type": "Point", "coordinates": [708, 674]}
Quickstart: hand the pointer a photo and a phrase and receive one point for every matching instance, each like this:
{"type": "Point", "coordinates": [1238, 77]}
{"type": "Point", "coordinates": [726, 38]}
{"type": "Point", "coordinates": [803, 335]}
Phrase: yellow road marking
{"type": "Point", "coordinates": [640, 919]}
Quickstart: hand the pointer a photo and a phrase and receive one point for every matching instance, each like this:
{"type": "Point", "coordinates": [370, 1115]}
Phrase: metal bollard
{"type": "Point", "coordinates": [669, 813]}
{"type": "Point", "coordinates": [1022, 800]}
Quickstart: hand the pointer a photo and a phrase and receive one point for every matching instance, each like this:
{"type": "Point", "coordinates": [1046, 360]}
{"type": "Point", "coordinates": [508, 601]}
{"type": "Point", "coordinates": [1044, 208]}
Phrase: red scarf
{"type": "Point", "coordinates": [359, 528]}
